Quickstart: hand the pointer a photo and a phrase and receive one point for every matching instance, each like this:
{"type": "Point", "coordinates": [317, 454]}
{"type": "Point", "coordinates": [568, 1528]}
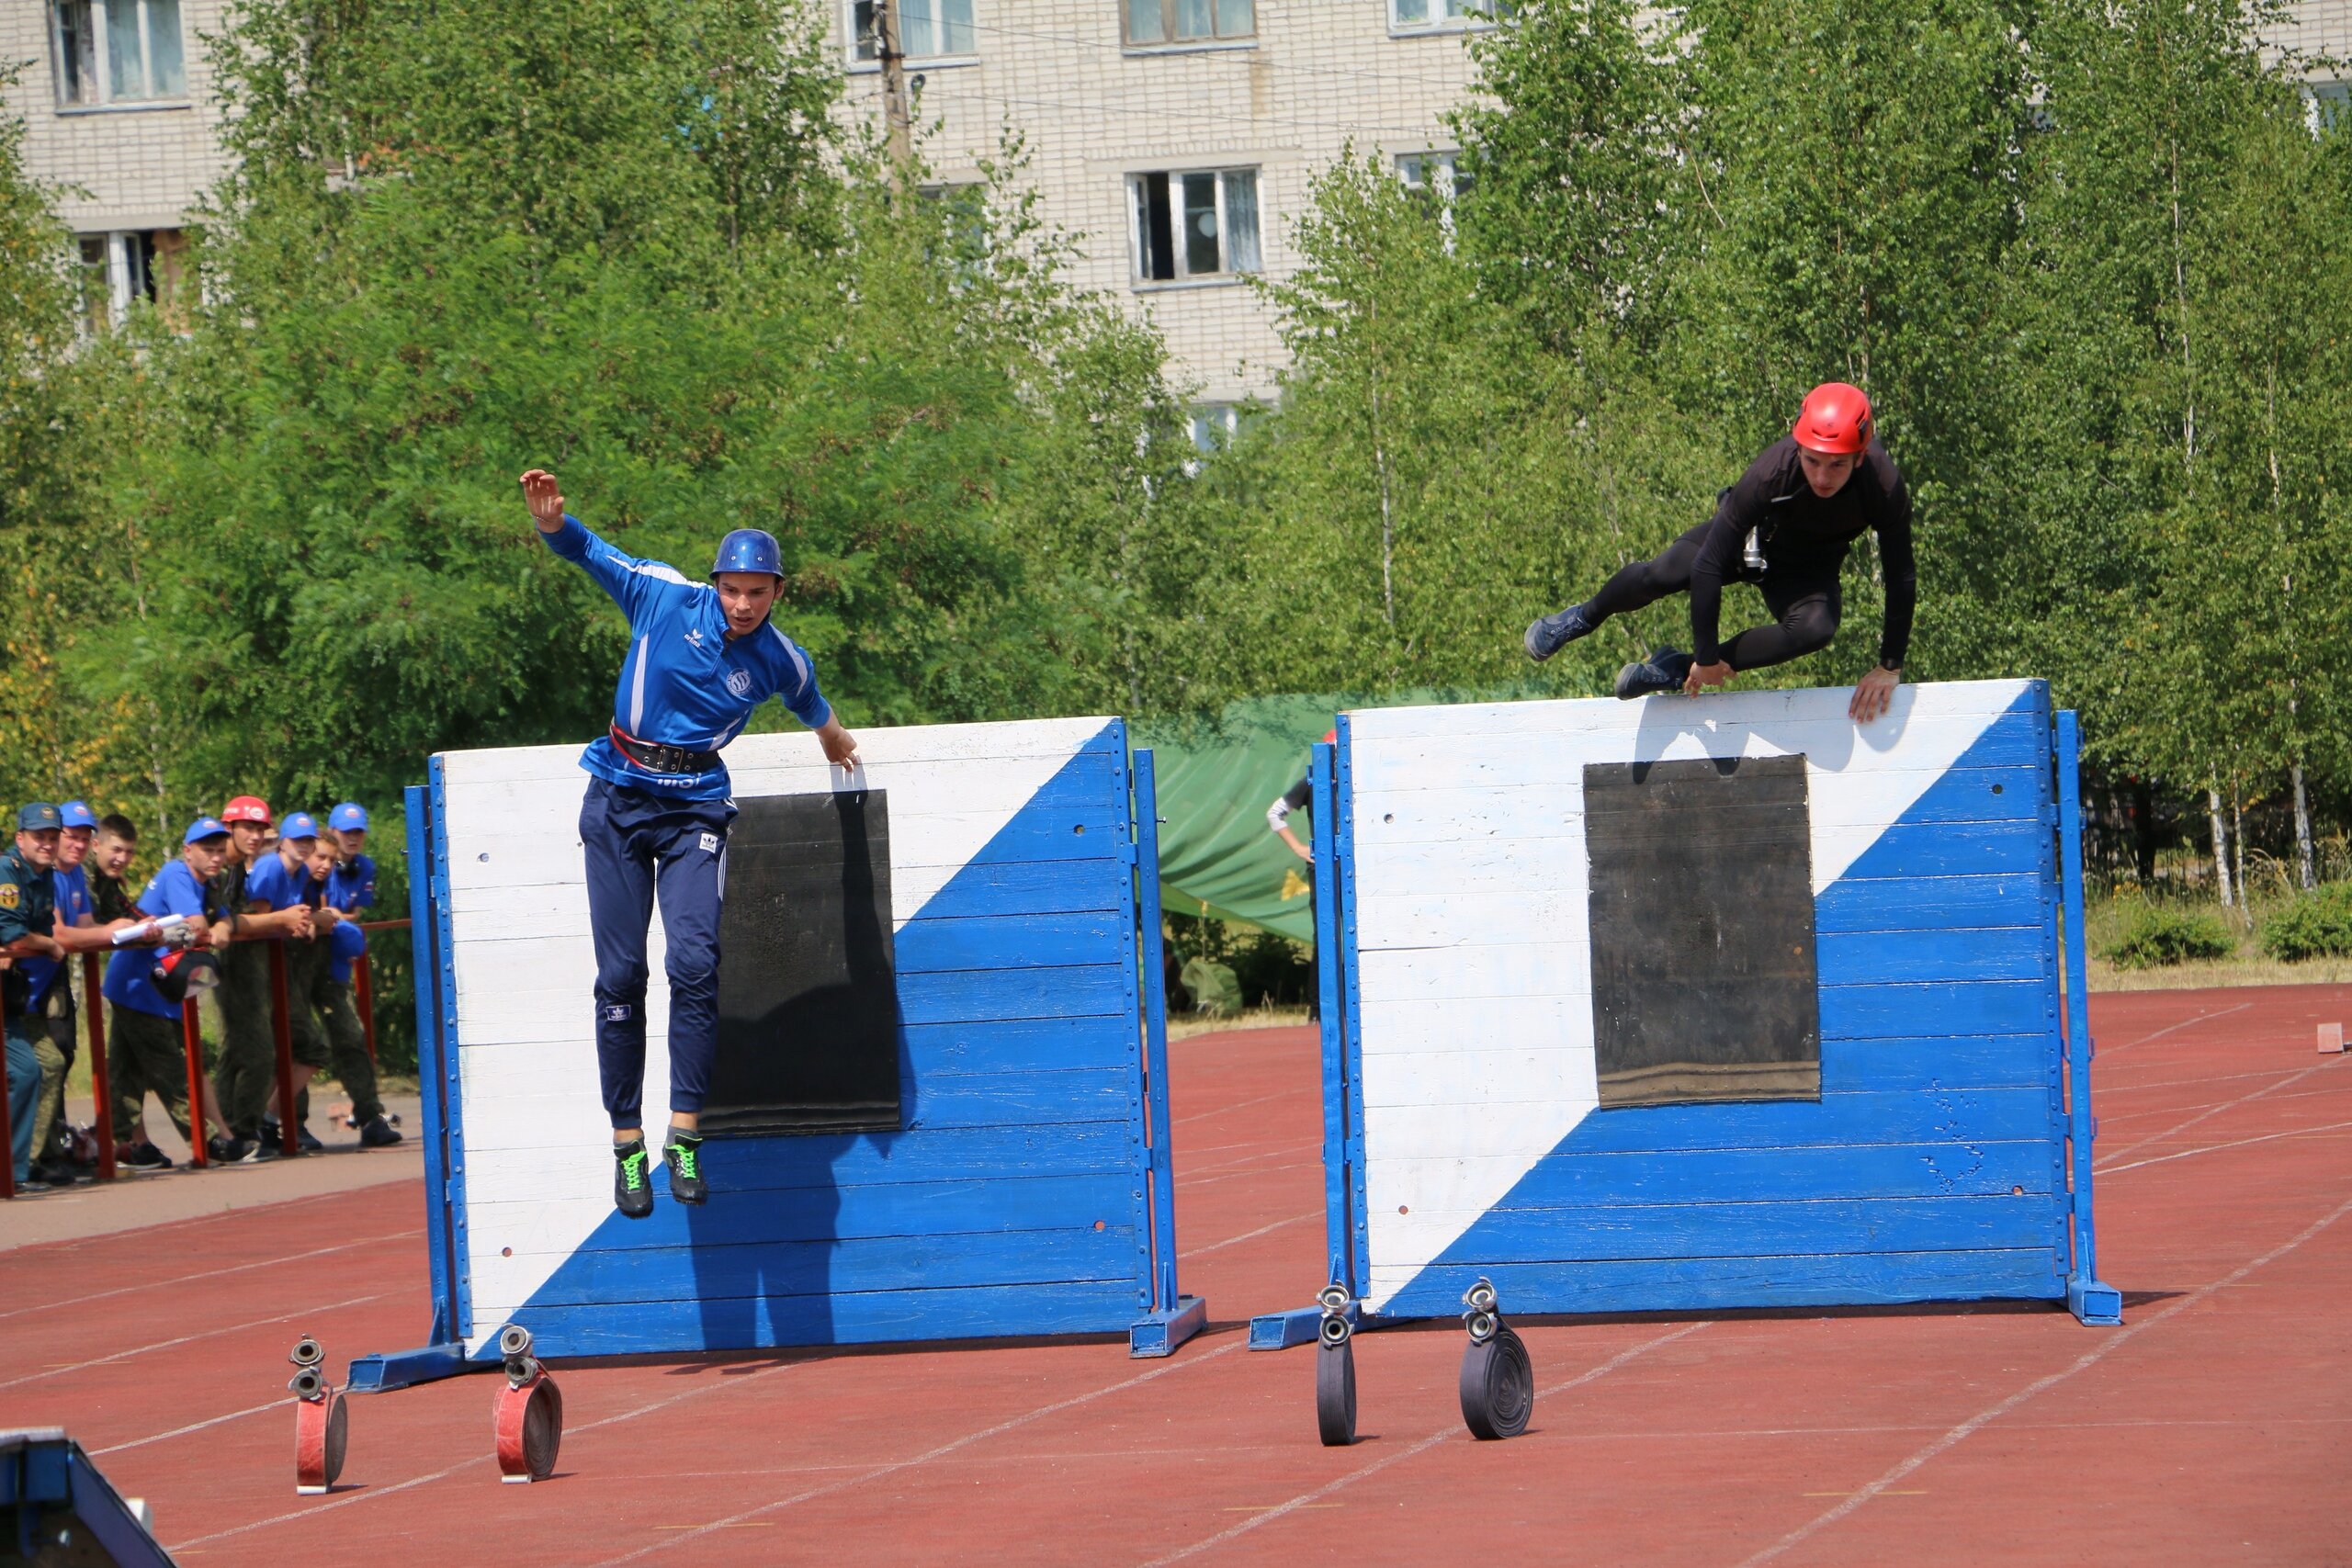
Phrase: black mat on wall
{"type": "Point", "coordinates": [808, 986]}
{"type": "Point", "coordinates": [1703, 984]}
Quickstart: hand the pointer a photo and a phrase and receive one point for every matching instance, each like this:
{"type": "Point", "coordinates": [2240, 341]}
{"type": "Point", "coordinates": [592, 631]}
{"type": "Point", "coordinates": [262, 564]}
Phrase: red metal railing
{"type": "Point", "coordinates": [192, 1038]}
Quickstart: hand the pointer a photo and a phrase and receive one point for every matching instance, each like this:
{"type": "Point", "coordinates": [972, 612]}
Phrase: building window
{"type": "Point", "coordinates": [2331, 106]}
{"type": "Point", "coordinates": [1439, 175]}
{"type": "Point", "coordinates": [1425, 15]}
{"type": "Point", "coordinates": [1213, 426]}
{"type": "Point", "coordinates": [1190, 21]}
{"type": "Point", "coordinates": [122, 269]}
{"type": "Point", "coordinates": [927, 28]}
{"type": "Point", "coordinates": [118, 51]}
{"type": "Point", "coordinates": [1196, 223]}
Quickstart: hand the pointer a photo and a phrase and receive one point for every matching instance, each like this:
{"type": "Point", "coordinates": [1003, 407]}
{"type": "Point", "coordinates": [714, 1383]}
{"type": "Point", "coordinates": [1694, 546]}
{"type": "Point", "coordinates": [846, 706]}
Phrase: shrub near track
{"type": "Point", "coordinates": [2156, 936]}
{"type": "Point", "coordinates": [2316, 925]}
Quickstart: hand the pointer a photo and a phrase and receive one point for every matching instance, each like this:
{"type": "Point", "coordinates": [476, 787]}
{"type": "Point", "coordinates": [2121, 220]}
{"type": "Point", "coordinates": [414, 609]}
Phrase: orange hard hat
{"type": "Point", "coordinates": [1835, 418]}
{"type": "Point", "coordinates": [246, 808]}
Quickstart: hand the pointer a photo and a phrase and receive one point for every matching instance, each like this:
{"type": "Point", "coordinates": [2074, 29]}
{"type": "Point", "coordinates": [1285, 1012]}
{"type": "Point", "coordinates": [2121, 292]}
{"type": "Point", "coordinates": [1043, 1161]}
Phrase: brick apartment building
{"type": "Point", "coordinates": [1175, 137]}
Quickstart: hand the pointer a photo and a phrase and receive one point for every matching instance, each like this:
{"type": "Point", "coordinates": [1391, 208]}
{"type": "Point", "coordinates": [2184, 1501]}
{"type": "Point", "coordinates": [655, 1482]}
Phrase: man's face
{"type": "Point", "coordinates": [207, 856]}
{"type": "Point", "coordinates": [321, 859]}
{"type": "Point", "coordinates": [72, 847]}
{"type": "Point", "coordinates": [1827, 472]}
{"type": "Point", "coordinates": [112, 855]}
{"type": "Point", "coordinates": [296, 851]}
{"type": "Point", "coordinates": [354, 841]}
{"type": "Point", "coordinates": [747, 597]}
{"type": "Point", "coordinates": [249, 838]}
{"type": "Point", "coordinates": [37, 845]}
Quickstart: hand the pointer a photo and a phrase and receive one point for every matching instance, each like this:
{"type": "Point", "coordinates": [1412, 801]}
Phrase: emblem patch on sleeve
{"type": "Point", "coordinates": [9, 894]}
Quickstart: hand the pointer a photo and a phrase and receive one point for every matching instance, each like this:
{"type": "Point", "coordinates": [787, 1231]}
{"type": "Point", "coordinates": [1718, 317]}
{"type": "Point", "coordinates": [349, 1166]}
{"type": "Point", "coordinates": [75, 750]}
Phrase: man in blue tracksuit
{"type": "Point", "coordinates": [702, 656]}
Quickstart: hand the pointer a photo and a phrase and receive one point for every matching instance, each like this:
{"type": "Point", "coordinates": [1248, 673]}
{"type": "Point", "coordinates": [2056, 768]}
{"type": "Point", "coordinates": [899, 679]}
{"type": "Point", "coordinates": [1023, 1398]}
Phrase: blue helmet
{"type": "Point", "coordinates": [749, 550]}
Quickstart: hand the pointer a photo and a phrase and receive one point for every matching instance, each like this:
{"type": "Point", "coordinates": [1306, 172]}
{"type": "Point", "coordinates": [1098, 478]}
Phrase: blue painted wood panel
{"type": "Point", "coordinates": [1837, 1120]}
{"type": "Point", "coordinates": [1029, 887]}
{"type": "Point", "coordinates": [714, 1267]}
{"type": "Point", "coordinates": [968, 995]}
{"type": "Point", "coordinates": [1041, 941]}
{"type": "Point", "coordinates": [1991, 1061]}
{"type": "Point", "coordinates": [1704, 1284]}
{"type": "Point", "coordinates": [975, 1206]}
{"type": "Point", "coordinates": [1871, 1170]}
{"type": "Point", "coordinates": [1924, 1011]}
{"type": "Point", "coordinates": [1912, 849]}
{"type": "Point", "coordinates": [867, 1318]}
{"type": "Point", "coordinates": [1933, 904]}
{"type": "Point", "coordinates": [1021, 1044]}
{"type": "Point", "coordinates": [2001, 952]}
{"type": "Point", "coordinates": [1022, 1100]}
{"type": "Point", "coordinates": [1778, 1229]}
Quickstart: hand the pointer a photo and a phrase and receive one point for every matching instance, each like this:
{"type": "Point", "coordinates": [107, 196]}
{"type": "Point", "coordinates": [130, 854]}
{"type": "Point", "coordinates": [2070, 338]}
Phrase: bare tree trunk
{"type": "Point", "coordinates": [2306, 872]}
{"type": "Point", "coordinates": [2180, 287]}
{"type": "Point", "coordinates": [894, 93]}
{"type": "Point", "coordinates": [2237, 841]}
{"type": "Point", "coordinates": [2220, 845]}
{"type": "Point", "coordinates": [1387, 509]}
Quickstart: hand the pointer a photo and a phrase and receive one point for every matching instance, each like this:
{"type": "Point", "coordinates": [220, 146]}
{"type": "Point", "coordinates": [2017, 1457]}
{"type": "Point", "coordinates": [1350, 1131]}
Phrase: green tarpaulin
{"type": "Point", "coordinates": [1216, 855]}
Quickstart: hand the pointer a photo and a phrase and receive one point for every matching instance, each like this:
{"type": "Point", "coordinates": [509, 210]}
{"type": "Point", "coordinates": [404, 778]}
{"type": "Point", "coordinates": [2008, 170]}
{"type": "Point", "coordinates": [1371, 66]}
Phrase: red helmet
{"type": "Point", "coordinates": [1835, 418]}
{"type": "Point", "coordinates": [246, 808]}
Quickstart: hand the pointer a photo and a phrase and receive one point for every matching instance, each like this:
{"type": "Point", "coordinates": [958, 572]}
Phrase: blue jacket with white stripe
{"type": "Point", "coordinates": [686, 682]}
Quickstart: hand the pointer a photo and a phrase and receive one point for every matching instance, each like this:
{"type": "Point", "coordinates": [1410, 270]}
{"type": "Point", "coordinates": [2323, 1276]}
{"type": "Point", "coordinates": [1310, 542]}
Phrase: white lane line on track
{"type": "Point", "coordinates": [2234, 1144]}
{"type": "Point", "coordinates": [1186, 1183]}
{"type": "Point", "coordinates": [2213, 1111]}
{"type": "Point", "coordinates": [1250, 1236]}
{"type": "Point", "coordinates": [177, 1227]}
{"type": "Point", "coordinates": [279, 1404]}
{"type": "Point", "coordinates": [1238, 1105]}
{"type": "Point", "coordinates": [191, 1339]}
{"type": "Point", "coordinates": [877, 1472]}
{"type": "Point", "coordinates": [212, 1273]}
{"type": "Point", "coordinates": [1308, 1499]}
{"type": "Point", "coordinates": [2174, 1028]}
{"type": "Point", "coordinates": [2114, 1340]}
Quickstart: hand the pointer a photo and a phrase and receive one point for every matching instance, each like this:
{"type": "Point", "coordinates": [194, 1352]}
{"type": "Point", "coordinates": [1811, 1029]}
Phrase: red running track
{"type": "Point", "coordinates": [2212, 1428]}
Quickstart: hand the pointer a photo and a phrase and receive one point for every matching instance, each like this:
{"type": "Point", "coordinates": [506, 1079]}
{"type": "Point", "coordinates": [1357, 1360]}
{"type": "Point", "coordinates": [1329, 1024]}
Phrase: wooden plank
{"type": "Point", "coordinates": [1982, 1007]}
{"type": "Point", "coordinates": [969, 784]}
{"type": "Point", "coordinates": [1597, 1232]}
{"type": "Point", "coordinates": [878, 1317]}
{"type": "Point", "coordinates": [936, 1100]}
{"type": "Point", "coordinates": [1819, 705]}
{"type": "Point", "coordinates": [1875, 958]}
{"type": "Point", "coordinates": [845, 1159]}
{"type": "Point", "coordinates": [714, 1267]}
{"type": "Point", "coordinates": [797, 751]}
{"type": "Point", "coordinates": [1480, 1076]}
{"type": "Point", "coordinates": [974, 1205]}
{"type": "Point", "coordinates": [1973, 902]}
{"type": "Point", "coordinates": [1015, 942]}
{"type": "Point", "coordinates": [1880, 1170]}
{"type": "Point", "coordinates": [1909, 849]}
{"type": "Point", "coordinates": [1709, 1284]}
{"type": "Point", "coordinates": [1431, 1129]}
{"type": "Point", "coordinates": [1434, 1024]}
{"type": "Point", "coordinates": [1467, 973]}
{"type": "Point", "coordinates": [977, 995]}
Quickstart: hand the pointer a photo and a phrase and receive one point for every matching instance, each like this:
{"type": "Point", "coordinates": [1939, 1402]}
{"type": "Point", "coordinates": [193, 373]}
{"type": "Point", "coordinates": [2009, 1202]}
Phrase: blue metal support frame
{"type": "Point", "coordinates": [2091, 1299]}
{"type": "Point", "coordinates": [436, 1070]}
{"type": "Point", "coordinates": [1282, 1330]}
{"type": "Point", "coordinates": [1174, 1317]}
{"type": "Point", "coordinates": [45, 1472]}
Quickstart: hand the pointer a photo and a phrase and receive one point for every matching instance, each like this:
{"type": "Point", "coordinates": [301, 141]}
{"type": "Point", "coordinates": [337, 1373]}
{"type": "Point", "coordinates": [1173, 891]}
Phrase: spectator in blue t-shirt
{"type": "Point", "coordinates": [145, 1047]}
{"type": "Point", "coordinates": [280, 881]}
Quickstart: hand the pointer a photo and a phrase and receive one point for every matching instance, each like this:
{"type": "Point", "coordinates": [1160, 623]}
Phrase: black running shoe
{"type": "Point", "coordinates": [306, 1140]}
{"type": "Point", "coordinates": [144, 1156]}
{"type": "Point", "coordinates": [632, 1180]}
{"type": "Point", "coordinates": [377, 1134]}
{"type": "Point", "coordinates": [225, 1150]}
{"type": "Point", "coordinates": [683, 1155]}
{"type": "Point", "coordinates": [1664, 670]}
{"type": "Point", "coordinates": [1547, 636]}
{"type": "Point", "coordinates": [263, 1145]}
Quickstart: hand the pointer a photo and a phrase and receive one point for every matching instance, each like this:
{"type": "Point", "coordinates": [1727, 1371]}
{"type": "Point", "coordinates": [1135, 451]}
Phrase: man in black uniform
{"type": "Point", "coordinates": [1785, 526]}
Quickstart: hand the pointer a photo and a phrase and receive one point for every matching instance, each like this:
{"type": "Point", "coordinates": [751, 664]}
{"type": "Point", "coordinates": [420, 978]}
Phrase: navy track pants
{"type": "Point", "coordinates": [638, 843]}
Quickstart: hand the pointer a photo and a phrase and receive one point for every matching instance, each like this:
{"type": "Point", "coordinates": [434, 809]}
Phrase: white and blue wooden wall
{"type": "Point", "coordinates": [1021, 1185]}
{"type": "Point", "coordinates": [1884, 1093]}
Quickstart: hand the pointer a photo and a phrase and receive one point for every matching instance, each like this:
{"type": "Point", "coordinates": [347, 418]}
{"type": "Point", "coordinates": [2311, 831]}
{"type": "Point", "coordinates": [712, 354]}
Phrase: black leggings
{"type": "Point", "coordinates": [1804, 604]}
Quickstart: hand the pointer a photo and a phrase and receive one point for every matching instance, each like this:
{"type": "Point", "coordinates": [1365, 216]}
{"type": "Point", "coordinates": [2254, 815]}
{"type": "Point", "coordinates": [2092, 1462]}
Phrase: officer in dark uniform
{"type": "Point", "coordinates": [28, 913]}
{"type": "Point", "coordinates": [702, 656]}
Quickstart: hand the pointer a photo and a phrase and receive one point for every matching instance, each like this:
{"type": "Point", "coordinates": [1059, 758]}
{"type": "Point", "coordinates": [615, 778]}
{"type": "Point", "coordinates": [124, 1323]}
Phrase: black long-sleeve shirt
{"type": "Point", "coordinates": [1805, 535]}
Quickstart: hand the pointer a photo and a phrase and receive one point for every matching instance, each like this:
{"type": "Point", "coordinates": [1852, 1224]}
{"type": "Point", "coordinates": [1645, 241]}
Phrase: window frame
{"type": "Point", "coordinates": [1478, 16]}
{"type": "Point", "coordinates": [103, 100]}
{"type": "Point", "coordinates": [1135, 186]}
{"type": "Point", "coordinates": [132, 264]}
{"type": "Point", "coordinates": [2328, 106]}
{"type": "Point", "coordinates": [1171, 43]}
{"type": "Point", "coordinates": [865, 62]}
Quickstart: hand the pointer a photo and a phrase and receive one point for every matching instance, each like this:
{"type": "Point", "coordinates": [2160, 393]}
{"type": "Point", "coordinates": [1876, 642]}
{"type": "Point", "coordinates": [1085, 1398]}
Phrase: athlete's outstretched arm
{"type": "Point", "coordinates": [546, 499]}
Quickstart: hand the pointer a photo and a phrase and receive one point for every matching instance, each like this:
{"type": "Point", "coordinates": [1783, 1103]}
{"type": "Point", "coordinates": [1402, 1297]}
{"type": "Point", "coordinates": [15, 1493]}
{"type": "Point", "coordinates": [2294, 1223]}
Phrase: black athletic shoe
{"type": "Point", "coordinates": [265, 1145]}
{"type": "Point", "coordinates": [306, 1140]}
{"type": "Point", "coordinates": [683, 1155]}
{"type": "Point", "coordinates": [144, 1156]}
{"type": "Point", "coordinates": [1548, 636]}
{"type": "Point", "coordinates": [377, 1135]}
{"type": "Point", "coordinates": [1664, 670]}
{"type": "Point", "coordinates": [224, 1150]}
{"type": "Point", "coordinates": [632, 1180]}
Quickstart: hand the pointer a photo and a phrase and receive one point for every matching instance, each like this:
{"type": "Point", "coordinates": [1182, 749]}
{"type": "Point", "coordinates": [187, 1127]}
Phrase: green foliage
{"type": "Point", "coordinates": [2156, 936]}
{"type": "Point", "coordinates": [2317, 924]}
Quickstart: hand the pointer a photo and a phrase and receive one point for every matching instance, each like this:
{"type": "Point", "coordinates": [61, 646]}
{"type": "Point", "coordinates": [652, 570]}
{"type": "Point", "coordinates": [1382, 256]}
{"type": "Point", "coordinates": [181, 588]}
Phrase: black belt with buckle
{"type": "Point", "coordinates": [661, 759]}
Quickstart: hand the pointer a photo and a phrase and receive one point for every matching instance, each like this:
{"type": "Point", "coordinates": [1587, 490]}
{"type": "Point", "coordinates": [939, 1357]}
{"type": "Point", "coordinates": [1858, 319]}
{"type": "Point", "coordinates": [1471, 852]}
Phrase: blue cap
{"type": "Point", "coordinates": [38, 815]}
{"type": "Point", "coordinates": [349, 815]}
{"type": "Point", "coordinates": [205, 828]}
{"type": "Point", "coordinates": [749, 550]}
{"type": "Point", "coordinates": [77, 814]}
{"type": "Point", "coordinates": [299, 825]}
{"type": "Point", "coordinates": [346, 941]}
